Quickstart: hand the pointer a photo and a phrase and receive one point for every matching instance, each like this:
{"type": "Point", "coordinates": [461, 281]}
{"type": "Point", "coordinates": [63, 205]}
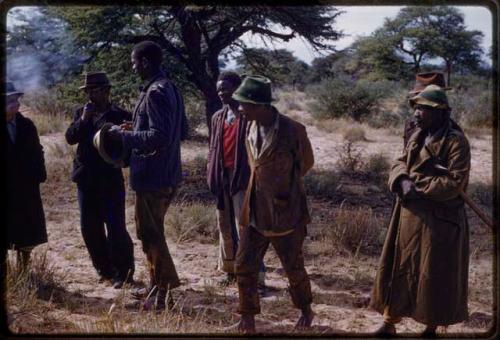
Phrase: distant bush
{"type": "Point", "coordinates": [377, 168]}
{"type": "Point", "coordinates": [49, 103]}
{"type": "Point", "coordinates": [350, 158]}
{"type": "Point", "coordinates": [322, 183]}
{"type": "Point", "coordinates": [355, 134]}
{"type": "Point", "coordinates": [192, 221]}
{"type": "Point", "coordinates": [195, 112]}
{"type": "Point", "coordinates": [356, 229]}
{"type": "Point", "coordinates": [289, 100]}
{"type": "Point", "coordinates": [343, 96]}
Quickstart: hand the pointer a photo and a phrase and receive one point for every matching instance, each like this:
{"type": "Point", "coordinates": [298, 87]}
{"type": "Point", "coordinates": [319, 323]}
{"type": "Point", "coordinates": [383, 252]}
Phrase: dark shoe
{"type": "Point", "coordinates": [119, 282]}
{"type": "Point", "coordinates": [387, 330]}
{"type": "Point", "coordinates": [157, 302]}
{"type": "Point", "coordinates": [104, 278]}
{"type": "Point", "coordinates": [262, 289]}
{"type": "Point", "coordinates": [229, 280]}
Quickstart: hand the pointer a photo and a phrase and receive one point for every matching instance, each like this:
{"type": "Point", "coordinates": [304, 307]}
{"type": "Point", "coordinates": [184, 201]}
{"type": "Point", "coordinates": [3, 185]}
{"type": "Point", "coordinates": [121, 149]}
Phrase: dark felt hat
{"type": "Point", "coordinates": [10, 89]}
{"type": "Point", "coordinates": [95, 79]}
{"type": "Point", "coordinates": [422, 80]}
{"type": "Point", "coordinates": [111, 151]}
{"type": "Point", "coordinates": [255, 90]}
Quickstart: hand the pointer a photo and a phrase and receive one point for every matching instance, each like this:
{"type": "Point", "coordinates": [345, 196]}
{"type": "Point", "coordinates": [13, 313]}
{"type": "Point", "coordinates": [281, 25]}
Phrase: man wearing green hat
{"type": "Point", "coordinates": [274, 209]}
{"type": "Point", "coordinates": [423, 268]}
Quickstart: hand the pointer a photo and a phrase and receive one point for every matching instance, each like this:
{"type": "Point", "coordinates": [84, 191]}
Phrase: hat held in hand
{"type": "Point", "coordinates": [111, 151]}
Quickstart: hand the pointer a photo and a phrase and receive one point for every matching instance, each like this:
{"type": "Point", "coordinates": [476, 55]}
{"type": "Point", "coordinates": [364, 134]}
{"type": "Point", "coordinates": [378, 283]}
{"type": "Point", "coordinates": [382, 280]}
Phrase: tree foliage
{"type": "Point", "coordinates": [196, 37]}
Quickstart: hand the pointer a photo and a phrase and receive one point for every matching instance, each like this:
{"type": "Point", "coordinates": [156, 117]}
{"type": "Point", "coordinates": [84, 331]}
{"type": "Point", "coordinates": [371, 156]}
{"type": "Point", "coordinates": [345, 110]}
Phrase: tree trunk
{"type": "Point", "coordinates": [448, 71]}
{"type": "Point", "coordinates": [212, 104]}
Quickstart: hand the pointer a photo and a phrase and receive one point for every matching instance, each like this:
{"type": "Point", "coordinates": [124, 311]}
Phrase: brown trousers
{"type": "Point", "coordinates": [150, 210]}
{"type": "Point", "coordinates": [251, 250]}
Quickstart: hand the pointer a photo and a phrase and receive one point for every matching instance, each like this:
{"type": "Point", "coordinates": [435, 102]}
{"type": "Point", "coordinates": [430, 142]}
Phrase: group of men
{"type": "Point", "coordinates": [257, 160]}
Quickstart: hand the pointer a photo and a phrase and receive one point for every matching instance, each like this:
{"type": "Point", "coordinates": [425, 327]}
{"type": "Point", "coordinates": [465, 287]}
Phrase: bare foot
{"type": "Point", "coordinates": [305, 320]}
{"type": "Point", "coordinates": [246, 325]}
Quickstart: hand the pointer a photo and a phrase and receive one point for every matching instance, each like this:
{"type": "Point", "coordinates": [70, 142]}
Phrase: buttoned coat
{"type": "Point", "coordinates": [25, 171]}
{"type": "Point", "coordinates": [275, 191]}
{"type": "Point", "coordinates": [423, 269]}
{"type": "Point", "coordinates": [154, 143]}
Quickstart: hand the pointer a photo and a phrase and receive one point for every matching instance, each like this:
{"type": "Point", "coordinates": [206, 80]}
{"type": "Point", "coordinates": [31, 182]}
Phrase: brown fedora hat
{"type": "Point", "coordinates": [95, 79]}
{"type": "Point", "coordinates": [422, 80]}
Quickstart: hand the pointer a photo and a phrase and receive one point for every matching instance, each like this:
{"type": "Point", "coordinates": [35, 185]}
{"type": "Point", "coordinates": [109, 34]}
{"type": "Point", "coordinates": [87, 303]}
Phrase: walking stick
{"type": "Point", "coordinates": [486, 219]}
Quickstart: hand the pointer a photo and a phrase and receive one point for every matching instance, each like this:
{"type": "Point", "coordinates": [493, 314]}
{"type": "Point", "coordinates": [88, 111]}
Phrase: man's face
{"type": "Point", "coordinates": [139, 65]}
{"type": "Point", "coordinates": [98, 95]}
{"type": "Point", "coordinates": [224, 90]}
{"type": "Point", "coordinates": [250, 111]}
{"type": "Point", "coordinates": [426, 117]}
{"type": "Point", "coordinates": [11, 106]}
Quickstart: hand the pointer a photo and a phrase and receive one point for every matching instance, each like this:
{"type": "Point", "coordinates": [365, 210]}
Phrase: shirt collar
{"type": "Point", "coordinates": [147, 83]}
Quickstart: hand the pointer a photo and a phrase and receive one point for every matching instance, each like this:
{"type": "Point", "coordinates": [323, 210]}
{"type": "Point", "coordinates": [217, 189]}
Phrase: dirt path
{"type": "Point", "coordinates": [341, 285]}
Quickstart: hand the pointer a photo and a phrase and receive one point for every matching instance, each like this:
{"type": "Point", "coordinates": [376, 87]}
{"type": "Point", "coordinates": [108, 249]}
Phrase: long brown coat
{"type": "Point", "coordinates": [275, 190]}
{"type": "Point", "coordinates": [423, 270]}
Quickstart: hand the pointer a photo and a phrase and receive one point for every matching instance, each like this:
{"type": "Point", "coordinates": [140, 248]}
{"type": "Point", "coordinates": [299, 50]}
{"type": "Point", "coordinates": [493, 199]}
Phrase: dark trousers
{"type": "Point", "coordinates": [110, 247]}
{"type": "Point", "coordinates": [150, 210]}
{"type": "Point", "coordinates": [251, 250]}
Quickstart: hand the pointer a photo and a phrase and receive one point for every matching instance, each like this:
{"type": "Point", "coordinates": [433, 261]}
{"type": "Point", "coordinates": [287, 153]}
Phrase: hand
{"type": "Point", "coordinates": [407, 189]}
{"type": "Point", "coordinates": [115, 133]}
{"type": "Point", "coordinates": [126, 126]}
{"type": "Point", "coordinates": [88, 111]}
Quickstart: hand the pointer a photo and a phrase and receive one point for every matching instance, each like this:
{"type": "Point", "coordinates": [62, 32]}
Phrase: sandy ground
{"type": "Point", "coordinates": [341, 284]}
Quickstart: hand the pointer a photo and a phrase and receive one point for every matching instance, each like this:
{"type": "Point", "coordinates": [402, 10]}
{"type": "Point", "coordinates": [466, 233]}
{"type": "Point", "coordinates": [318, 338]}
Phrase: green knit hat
{"type": "Point", "coordinates": [255, 90]}
{"type": "Point", "coordinates": [433, 96]}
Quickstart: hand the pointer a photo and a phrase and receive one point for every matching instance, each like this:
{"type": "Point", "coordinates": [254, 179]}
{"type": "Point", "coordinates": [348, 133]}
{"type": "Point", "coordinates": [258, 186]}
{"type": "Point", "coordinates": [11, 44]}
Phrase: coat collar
{"type": "Point", "coordinates": [431, 149]}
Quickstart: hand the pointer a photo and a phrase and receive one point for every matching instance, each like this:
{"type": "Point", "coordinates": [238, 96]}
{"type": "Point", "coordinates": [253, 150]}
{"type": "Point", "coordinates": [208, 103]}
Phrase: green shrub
{"type": "Point", "coordinates": [377, 167]}
{"type": "Point", "coordinates": [322, 183]}
{"type": "Point", "coordinates": [343, 96]}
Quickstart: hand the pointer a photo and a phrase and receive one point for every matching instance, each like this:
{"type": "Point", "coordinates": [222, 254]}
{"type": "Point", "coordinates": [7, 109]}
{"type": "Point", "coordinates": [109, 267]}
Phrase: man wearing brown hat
{"type": "Point", "coordinates": [100, 187]}
{"type": "Point", "coordinates": [423, 269]}
{"type": "Point", "coordinates": [274, 209]}
{"type": "Point", "coordinates": [25, 170]}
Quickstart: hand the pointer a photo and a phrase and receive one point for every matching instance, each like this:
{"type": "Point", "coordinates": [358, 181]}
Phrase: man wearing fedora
{"type": "Point", "coordinates": [228, 173]}
{"type": "Point", "coordinates": [423, 268]}
{"type": "Point", "coordinates": [274, 209]}
{"type": "Point", "coordinates": [100, 187]}
{"type": "Point", "coordinates": [153, 142]}
{"type": "Point", "coordinates": [25, 170]}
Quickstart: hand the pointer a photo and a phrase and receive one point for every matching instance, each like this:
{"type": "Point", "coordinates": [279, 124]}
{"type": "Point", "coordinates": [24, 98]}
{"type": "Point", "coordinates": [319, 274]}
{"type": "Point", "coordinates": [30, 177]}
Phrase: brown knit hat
{"type": "Point", "coordinates": [422, 80]}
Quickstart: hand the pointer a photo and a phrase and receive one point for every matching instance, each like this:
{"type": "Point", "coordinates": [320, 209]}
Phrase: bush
{"type": "Point", "coordinates": [322, 183]}
{"type": "Point", "coordinates": [343, 96]}
{"type": "Point", "coordinates": [195, 112]}
{"type": "Point", "coordinates": [46, 102]}
{"type": "Point", "coordinates": [355, 229]}
{"type": "Point", "coordinates": [481, 192]}
{"type": "Point", "coordinates": [377, 168]}
{"type": "Point", "coordinates": [350, 157]}
{"type": "Point", "coordinates": [192, 221]}
{"type": "Point", "coordinates": [355, 134]}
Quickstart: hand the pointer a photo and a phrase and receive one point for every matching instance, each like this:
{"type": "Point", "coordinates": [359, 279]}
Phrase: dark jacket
{"type": "Point", "coordinates": [423, 269]}
{"type": "Point", "coordinates": [154, 143]}
{"type": "Point", "coordinates": [25, 171]}
{"type": "Point", "coordinates": [215, 168]}
{"type": "Point", "coordinates": [89, 169]}
{"type": "Point", "coordinates": [275, 191]}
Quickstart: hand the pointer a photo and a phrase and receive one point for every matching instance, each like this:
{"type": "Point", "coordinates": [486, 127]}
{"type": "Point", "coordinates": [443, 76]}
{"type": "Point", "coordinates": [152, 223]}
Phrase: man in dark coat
{"type": "Point", "coordinates": [153, 142]}
{"type": "Point", "coordinates": [25, 171]}
{"type": "Point", "coordinates": [100, 187]}
{"type": "Point", "coordinates": [274, 209]}
{"type": "Point", "coordinates": [228, 172]}
{"type": "Point", "coordinates": [423, 269]}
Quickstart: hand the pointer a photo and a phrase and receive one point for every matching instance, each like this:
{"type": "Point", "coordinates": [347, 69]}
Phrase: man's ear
{"type": "Point", "coordinates": [145, 62]}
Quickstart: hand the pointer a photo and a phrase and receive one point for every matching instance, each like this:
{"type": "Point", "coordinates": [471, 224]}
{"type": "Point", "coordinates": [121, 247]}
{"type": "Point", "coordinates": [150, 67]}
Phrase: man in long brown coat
{"type": "Point", "coordinates": [423, 269]}
{"type": "Point", "coordinates": [275, 208]}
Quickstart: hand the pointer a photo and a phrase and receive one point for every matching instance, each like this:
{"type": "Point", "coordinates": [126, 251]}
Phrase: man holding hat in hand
{"type": "Point", "coordinates": [423, 269]}
{"type": "Point", "coordinates": [274, 209]}
{"type": "Point", "coordinates": [100, 187]}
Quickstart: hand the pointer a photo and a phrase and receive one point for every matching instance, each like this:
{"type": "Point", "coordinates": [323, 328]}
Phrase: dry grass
{"type": "Point", "coordinates": [354, 134]}
{"type": "Point", "coordinates": [350, 157]}
{"type": "Point", "coordinates": [189, 221]}
{"type": "Point", "coordinates": [322, 183]}
{"type": "Point", "coordinates": [47, 124]}
{"type": "Point", "coordinates": [357, 230]}
{"type": "Point", "coordinates": [59, 161]}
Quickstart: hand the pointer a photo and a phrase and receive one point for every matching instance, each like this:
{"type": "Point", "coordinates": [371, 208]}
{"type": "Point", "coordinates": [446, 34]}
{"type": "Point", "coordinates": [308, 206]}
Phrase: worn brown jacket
{"type": "Point", "coordinates": [423, 270]}
{"type": "Point", "coordinates": [215, 166]}
{"type": "Point", "coordinates": [275, 192]}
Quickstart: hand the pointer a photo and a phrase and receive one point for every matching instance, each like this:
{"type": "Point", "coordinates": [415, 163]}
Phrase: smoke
{"type": "Point", "coordinates": [40, 50]}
